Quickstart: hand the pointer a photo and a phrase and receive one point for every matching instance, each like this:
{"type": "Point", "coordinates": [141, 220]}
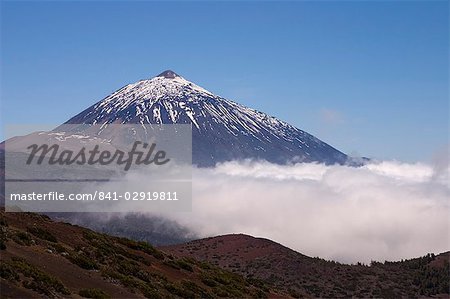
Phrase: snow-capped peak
{"type": "Point", "coordinates": [217, 123]}
{"type": "Point", "coordinates": [167, 85]}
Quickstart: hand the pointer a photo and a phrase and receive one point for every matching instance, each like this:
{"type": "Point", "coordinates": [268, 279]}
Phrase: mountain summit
{"type": "Point", "coordinates": [222, 130]}
{"type": "Point", "coordinates": [168, 74]}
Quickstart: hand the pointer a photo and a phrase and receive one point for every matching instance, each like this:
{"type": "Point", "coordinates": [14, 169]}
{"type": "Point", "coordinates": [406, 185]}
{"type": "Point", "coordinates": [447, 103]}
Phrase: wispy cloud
{"type": "Point", "coordinates": [331, 117]}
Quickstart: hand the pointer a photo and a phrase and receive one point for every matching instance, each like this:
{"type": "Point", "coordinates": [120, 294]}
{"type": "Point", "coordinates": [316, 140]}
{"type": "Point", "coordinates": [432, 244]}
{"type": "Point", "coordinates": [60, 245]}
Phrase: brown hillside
{"type": "Point", "coordinates": [301, 275]}
{"type": "Point", "coordinates": [41, 258]}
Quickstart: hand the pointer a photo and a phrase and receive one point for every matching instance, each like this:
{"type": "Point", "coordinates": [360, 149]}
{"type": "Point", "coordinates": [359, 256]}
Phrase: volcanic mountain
{"type": "Point", "coordinates": [222, 130]}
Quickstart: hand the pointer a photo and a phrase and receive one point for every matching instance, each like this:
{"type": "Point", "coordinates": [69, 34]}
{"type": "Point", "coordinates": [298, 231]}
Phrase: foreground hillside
{"type": "Point", "coordinates": [41, 258]}
{"type": "Point", "coordinates": [303, 276]}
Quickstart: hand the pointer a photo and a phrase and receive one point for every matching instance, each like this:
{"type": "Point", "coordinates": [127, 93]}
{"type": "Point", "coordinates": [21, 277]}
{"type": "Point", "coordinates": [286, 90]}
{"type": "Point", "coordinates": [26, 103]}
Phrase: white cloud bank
{"type": "Point", "coordinates": [385, 211]}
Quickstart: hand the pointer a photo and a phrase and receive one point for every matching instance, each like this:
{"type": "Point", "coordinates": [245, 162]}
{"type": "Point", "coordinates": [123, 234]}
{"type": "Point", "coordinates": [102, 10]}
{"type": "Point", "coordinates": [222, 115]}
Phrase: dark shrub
{"type": "Point", "coordinates": [93, 293]}
{"type": "Point", "coordinates": [42, 234]}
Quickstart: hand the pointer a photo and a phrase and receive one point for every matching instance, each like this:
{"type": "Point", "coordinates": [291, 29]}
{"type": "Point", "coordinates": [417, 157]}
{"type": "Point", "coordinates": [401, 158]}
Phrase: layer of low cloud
{"type": "Point", "coordinates": [384, 211]}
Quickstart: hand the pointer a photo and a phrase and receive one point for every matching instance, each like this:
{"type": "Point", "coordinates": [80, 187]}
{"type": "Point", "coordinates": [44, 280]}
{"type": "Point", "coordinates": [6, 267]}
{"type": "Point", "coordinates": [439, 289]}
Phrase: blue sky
{"type": "Point", "coordinates": [367, 77]}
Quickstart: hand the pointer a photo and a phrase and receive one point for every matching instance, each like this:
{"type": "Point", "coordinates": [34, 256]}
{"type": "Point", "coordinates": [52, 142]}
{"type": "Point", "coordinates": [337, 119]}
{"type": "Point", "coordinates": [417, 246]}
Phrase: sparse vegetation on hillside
{"type": "Point", "coordinates": [34, 278]}
{"type": "Point", "coordinates": [39, 258]}
{"type": "Point", "coordinates": [49, 249]}
{"type": "Point", "coordinates": [301, 276]}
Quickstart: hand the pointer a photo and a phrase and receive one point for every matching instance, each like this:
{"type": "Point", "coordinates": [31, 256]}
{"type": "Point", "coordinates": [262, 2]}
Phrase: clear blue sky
{"type": "Point", "coordinates": [366, 77]}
